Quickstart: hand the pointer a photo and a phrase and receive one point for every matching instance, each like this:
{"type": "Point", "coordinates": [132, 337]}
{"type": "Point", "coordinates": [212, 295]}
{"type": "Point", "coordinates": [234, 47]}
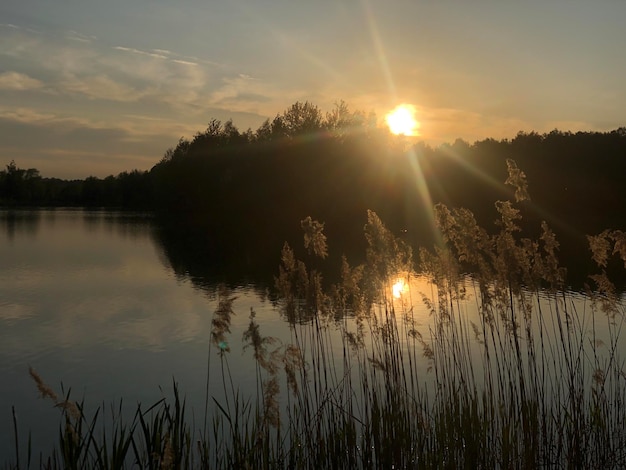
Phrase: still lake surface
{"type": "Point", "coordinates": [93, 302]}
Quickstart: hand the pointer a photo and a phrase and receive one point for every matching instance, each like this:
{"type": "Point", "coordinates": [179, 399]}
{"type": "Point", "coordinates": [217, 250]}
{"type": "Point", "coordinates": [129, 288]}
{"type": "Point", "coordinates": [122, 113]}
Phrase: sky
{"type": "Point", "coordinates": [99, 87]}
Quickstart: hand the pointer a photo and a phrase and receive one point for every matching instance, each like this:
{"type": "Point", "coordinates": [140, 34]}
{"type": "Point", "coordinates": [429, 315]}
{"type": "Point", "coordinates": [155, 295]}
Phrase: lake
{"type": "Point", "coordinates": [96, 303]}
{"type": "Point", "coordinates": [90, 301]}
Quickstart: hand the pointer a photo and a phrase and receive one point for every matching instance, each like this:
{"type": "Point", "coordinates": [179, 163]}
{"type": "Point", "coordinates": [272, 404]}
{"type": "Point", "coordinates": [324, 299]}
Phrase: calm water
{"type": "Point", "coordinates": [104, 304]}
{"type": "Point", "coordinates": [91, 302]}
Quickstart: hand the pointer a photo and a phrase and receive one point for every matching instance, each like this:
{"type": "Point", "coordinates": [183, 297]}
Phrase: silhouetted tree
{"type": "Point", "coordinates": [19, 186]}
{"type": "Point", "coordinates": [335, 166]}
{"type": "Point", "coordinates": [302, 118]}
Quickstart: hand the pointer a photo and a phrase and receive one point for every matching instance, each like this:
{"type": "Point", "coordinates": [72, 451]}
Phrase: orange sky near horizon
{"type": "Point", "coordinates": [96, 89]}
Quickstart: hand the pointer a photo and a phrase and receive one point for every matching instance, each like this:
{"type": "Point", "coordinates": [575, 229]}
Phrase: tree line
{"type": "Point", "coordinates": [335, 166]}
{"type": "Point", "coordinates": [26, 187]}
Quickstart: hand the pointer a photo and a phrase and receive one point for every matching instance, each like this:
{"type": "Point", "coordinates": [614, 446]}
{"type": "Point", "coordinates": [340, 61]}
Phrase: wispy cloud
{"type": "Point", "coordinates": [185, 62]}
{"type": "Point", "coordinates": [102, 87]}
{"type": "Point", "coordinates": [126, 74]}
{"type": "Point", "coordinates": [25, 115]}
{"type": "Point", "coordinates": [76, 36]}
{"type": "Point", "coordinates": [243, 92]}
{"type": "Point", "coordinates": [69, 147]}
{"type": "Point", "coordinates": [19, 28]}
{"type": "Point", "coordinates": [127, 126]}
{"type": "Point", "coordinates": [19, 82]}
{"type": "Point", "coordinates": [117, 98]}
{"type": "Point", "coordinates": [168, 55]}
{"type": "Point", "coordinates": [157, 55]}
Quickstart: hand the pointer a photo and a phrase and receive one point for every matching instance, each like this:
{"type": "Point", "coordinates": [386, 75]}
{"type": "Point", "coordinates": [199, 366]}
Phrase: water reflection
{"type": "Point", "coordinates": [205, 259]}
{"type": "Point", "coordinates": [90, 300]}
{"type": "Point", "coordinates": [115, 304]}
{"type": "Point", "coordinates": [470, 312]}
{"type": "Point", "coordinates": [19, 223]}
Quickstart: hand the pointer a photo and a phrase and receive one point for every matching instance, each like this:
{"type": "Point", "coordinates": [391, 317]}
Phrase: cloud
{"type": "Point", "coordinates": [97, 115]}
{"type": "Point", "coordinates": [70, 147]}
{"type": "Point", "coordinates": [121, 73]}
{"type": "Point", "coordinates": [102, 87]}
{"type": "Point", "coordinates": [18, 82]}
{"type": "Point", "coordinates": [97, 71]}
{"type": "Point", "coordinates": [60, 127]}
{"type": "Point", "coordinates": [166, 55]}
{"type": "Point", "coordinates": [76, 36]}
{"type": "Point", "coordinates": [243, 92]}
{"type": "Point", "coordinates": [24, 115]}
{"type": "Point", "coordinates": [170, 79]}
{"type": "Point", "coordinates": [156, 55]}
{"type": "Point", "coordinates": [184, 62]}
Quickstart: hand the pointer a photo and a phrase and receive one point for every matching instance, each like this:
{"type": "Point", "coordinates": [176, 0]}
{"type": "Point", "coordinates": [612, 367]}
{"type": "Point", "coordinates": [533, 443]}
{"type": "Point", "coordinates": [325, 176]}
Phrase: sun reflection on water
{"type": "Point", "coordinates": [399, 287]}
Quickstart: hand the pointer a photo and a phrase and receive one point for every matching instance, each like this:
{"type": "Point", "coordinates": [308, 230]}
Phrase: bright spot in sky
{"type": "Point", "coordinates": [401, 120]}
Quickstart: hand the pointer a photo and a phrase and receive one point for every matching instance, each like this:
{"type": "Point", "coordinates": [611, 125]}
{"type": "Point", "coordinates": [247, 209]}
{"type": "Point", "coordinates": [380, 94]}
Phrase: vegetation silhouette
{"type": "Point", "coordinates": [244, 193]}
{"type": "Point", "coordinates": [501, 369]}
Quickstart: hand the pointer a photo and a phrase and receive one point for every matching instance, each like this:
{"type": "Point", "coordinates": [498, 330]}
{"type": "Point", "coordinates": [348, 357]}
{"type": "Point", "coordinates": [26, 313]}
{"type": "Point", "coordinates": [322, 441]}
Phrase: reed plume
{"type": "Point", "coordinates": [45, 391]}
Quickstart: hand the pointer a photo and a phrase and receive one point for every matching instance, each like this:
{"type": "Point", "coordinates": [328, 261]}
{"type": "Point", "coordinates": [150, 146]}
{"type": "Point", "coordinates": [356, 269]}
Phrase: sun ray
{"type": "Point", "coordinates": [378, 46]}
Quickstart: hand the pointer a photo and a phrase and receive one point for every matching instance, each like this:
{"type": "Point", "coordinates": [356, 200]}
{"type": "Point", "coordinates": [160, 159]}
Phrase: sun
{"type": "Point", "coordinates": [401, 120]}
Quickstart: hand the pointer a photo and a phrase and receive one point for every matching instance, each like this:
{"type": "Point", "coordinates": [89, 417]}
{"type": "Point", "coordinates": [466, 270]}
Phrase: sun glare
{"type": "Point", "coordinates": [398, 288]}
{"type": "Point", "coordinates": [401, 120]}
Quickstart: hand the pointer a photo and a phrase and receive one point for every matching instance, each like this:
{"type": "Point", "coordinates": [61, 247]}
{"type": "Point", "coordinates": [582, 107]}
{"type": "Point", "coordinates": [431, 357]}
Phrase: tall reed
{"type": "Point", "coordinates": [484, 359]}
